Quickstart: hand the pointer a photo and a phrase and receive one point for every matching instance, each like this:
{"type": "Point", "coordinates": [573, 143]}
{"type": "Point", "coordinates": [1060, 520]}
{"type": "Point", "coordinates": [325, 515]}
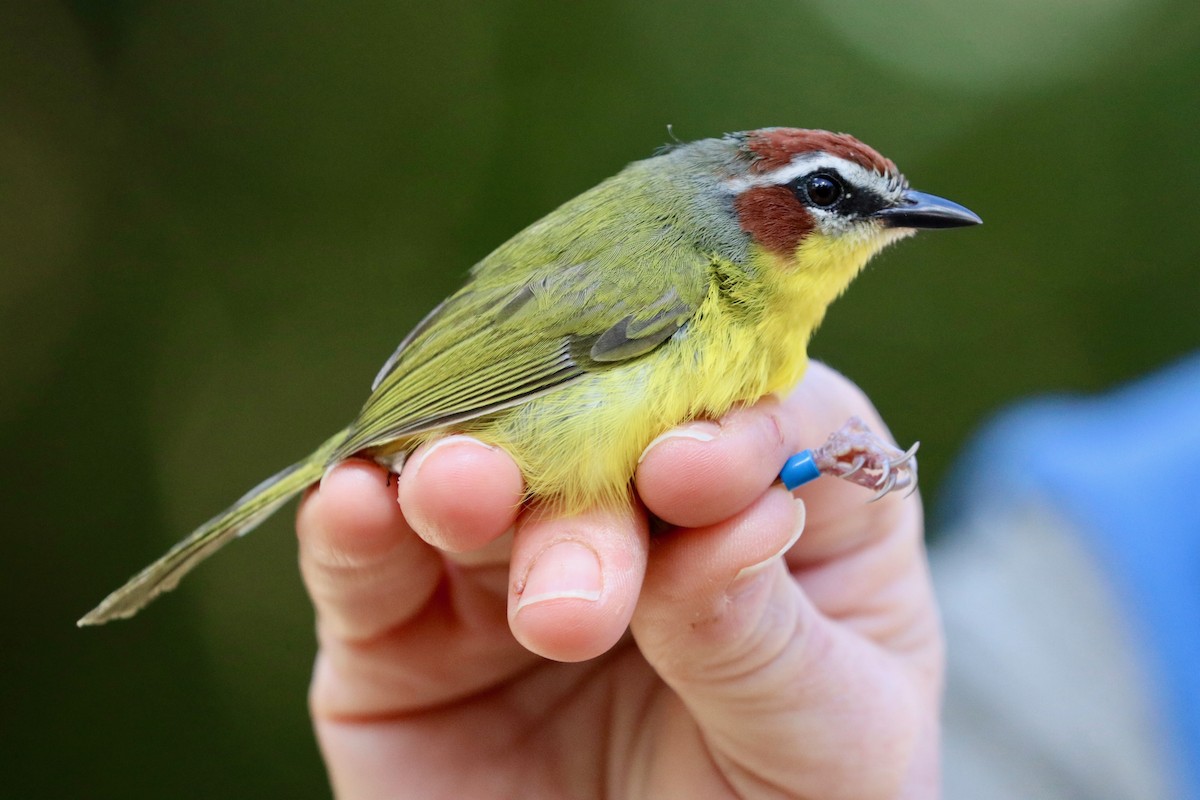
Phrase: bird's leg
{"type": "Point", "coordinates": [856, 454]}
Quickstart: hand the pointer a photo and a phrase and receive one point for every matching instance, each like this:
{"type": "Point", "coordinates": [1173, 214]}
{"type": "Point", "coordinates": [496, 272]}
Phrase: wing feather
{"type": "Point", "coordinates": [510, 335]}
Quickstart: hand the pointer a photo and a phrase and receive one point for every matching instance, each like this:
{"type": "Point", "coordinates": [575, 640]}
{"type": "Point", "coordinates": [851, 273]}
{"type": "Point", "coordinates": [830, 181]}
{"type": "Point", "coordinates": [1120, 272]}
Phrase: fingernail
{"type": "Point", "coordinates": [414, 463]}
{"type": "Point", "coordinates": [699, 431]}
{"type": "Point", "coordinates": [565, 570]}
{"type": "Point", "coordinates": [747, 575]}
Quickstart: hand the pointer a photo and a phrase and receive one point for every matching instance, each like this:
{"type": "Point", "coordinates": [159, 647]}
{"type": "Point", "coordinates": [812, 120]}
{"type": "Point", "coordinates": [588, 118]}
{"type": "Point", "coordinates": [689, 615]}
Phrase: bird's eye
{"type": "Point", "coordinates": [823, 190]}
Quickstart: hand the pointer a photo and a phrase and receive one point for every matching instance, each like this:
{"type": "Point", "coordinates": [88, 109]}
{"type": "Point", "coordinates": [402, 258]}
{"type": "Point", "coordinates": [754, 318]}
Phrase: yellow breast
{"type": "Point", "coordinates": [579, 446]}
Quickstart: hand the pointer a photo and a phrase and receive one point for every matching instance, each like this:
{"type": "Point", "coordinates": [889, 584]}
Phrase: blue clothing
{"type": "Point", "coordinates": [1124, 468]}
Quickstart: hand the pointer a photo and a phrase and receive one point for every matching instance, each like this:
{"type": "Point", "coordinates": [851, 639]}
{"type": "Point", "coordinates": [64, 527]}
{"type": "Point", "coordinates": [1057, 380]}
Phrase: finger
{"type": "Point", "coordinates": [400, 630]}
{"type": "Point", "coordinates": [364, 568]}
{"type": "Point", "coordinates": [460, 494]}
{"type": "Point", "coordinates": [575, 580]}
{"type": "Point", "coordinates": [779, 692]}
{"type": "Point", "coordinates": [857, 556]}
{"type": "Point", "coordinates": [703, 472]}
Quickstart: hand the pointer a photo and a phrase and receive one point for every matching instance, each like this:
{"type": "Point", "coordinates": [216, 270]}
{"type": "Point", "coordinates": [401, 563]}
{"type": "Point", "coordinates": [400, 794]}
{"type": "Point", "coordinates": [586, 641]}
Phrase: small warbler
{"type": "Point", "coordinates": [683, 285]}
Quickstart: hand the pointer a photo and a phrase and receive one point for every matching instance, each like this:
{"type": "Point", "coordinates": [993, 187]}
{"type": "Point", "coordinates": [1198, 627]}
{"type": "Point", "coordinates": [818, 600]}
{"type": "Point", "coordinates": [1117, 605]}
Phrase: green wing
{"type": "Point", "coordinates": [509, 336]}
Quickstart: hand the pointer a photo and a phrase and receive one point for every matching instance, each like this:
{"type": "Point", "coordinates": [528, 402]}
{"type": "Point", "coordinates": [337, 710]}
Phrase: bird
{"type": "Point", "coordinates": [684, 285]}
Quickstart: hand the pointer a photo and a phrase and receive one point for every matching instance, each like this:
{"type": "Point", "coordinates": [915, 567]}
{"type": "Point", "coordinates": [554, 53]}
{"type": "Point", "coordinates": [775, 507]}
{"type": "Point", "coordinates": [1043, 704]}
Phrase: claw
{"type": "Point", "coordinates": [888, 485]}
{"type": "Point", "coordinates": [885, 472]}
{"type": "Point", "coordinates": [859, 461]}
{"type": "Point", "coordinates": [908, 454]}
{"type": "Point", "coordinates": [856, 454]}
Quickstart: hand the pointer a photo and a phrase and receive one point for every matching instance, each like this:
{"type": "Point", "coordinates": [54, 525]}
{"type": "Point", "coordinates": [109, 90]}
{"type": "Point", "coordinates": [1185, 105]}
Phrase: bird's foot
{"type": "Point", "coordinates": [856, 454]}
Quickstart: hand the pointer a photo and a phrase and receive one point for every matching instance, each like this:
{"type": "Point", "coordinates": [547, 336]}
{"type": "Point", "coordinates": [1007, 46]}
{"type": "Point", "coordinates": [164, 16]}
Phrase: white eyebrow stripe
{"type": "Point", "coordinates": [811, 162]}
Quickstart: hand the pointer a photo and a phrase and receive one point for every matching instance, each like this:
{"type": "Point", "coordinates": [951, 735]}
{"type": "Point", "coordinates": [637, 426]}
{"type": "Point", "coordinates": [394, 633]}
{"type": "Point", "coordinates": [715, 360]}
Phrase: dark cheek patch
{"type": "Point", "coordinates": [773, 217]}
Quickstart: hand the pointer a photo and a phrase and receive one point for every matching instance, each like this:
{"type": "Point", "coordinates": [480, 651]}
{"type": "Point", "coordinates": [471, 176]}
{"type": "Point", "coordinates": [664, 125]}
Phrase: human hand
{"type": "Point", "coordinates": [700, 663]}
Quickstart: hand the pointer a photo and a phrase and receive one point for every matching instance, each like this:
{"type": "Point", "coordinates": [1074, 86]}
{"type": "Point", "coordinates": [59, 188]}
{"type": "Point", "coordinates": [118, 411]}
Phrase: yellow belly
{"type": "Point", "coordinates": [579, 446]}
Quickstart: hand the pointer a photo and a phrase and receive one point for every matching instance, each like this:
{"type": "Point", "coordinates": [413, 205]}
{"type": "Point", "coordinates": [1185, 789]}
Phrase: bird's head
{"type": "Point", "coordinates": [826, 201]}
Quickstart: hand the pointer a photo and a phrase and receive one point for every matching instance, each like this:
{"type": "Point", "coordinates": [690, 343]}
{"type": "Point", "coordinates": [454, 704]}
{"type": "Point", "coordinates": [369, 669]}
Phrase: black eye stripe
{"type": "Point", "coordinates": [827, 190]}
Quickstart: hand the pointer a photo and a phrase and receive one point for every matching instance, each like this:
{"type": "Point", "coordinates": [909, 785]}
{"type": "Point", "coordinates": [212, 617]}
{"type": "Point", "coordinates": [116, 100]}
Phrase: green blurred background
{"type": "Point", "coordinates": [217, 218]}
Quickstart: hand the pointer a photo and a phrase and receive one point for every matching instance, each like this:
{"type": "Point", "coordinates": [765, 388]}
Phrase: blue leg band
{"type": "Point", "coordinates": [799, 470]}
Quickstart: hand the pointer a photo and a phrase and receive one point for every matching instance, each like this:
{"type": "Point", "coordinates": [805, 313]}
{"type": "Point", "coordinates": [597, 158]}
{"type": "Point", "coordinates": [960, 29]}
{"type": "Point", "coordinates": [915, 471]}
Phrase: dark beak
{"type": "Point", "coordinates": [920, 210]}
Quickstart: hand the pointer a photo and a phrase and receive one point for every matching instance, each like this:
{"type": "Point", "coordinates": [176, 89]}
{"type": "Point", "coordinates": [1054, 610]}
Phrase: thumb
{"type": "Point", "coordinates": [784, 698]}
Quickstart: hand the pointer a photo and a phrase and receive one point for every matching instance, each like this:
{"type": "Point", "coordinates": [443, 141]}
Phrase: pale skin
{"type": "Point", "coordinates": [468, 650]}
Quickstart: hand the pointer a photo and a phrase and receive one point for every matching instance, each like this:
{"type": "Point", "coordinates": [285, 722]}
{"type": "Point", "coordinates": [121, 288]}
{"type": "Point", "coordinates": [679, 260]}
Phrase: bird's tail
{"type": "Point", "coordinates": [242, 517]}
